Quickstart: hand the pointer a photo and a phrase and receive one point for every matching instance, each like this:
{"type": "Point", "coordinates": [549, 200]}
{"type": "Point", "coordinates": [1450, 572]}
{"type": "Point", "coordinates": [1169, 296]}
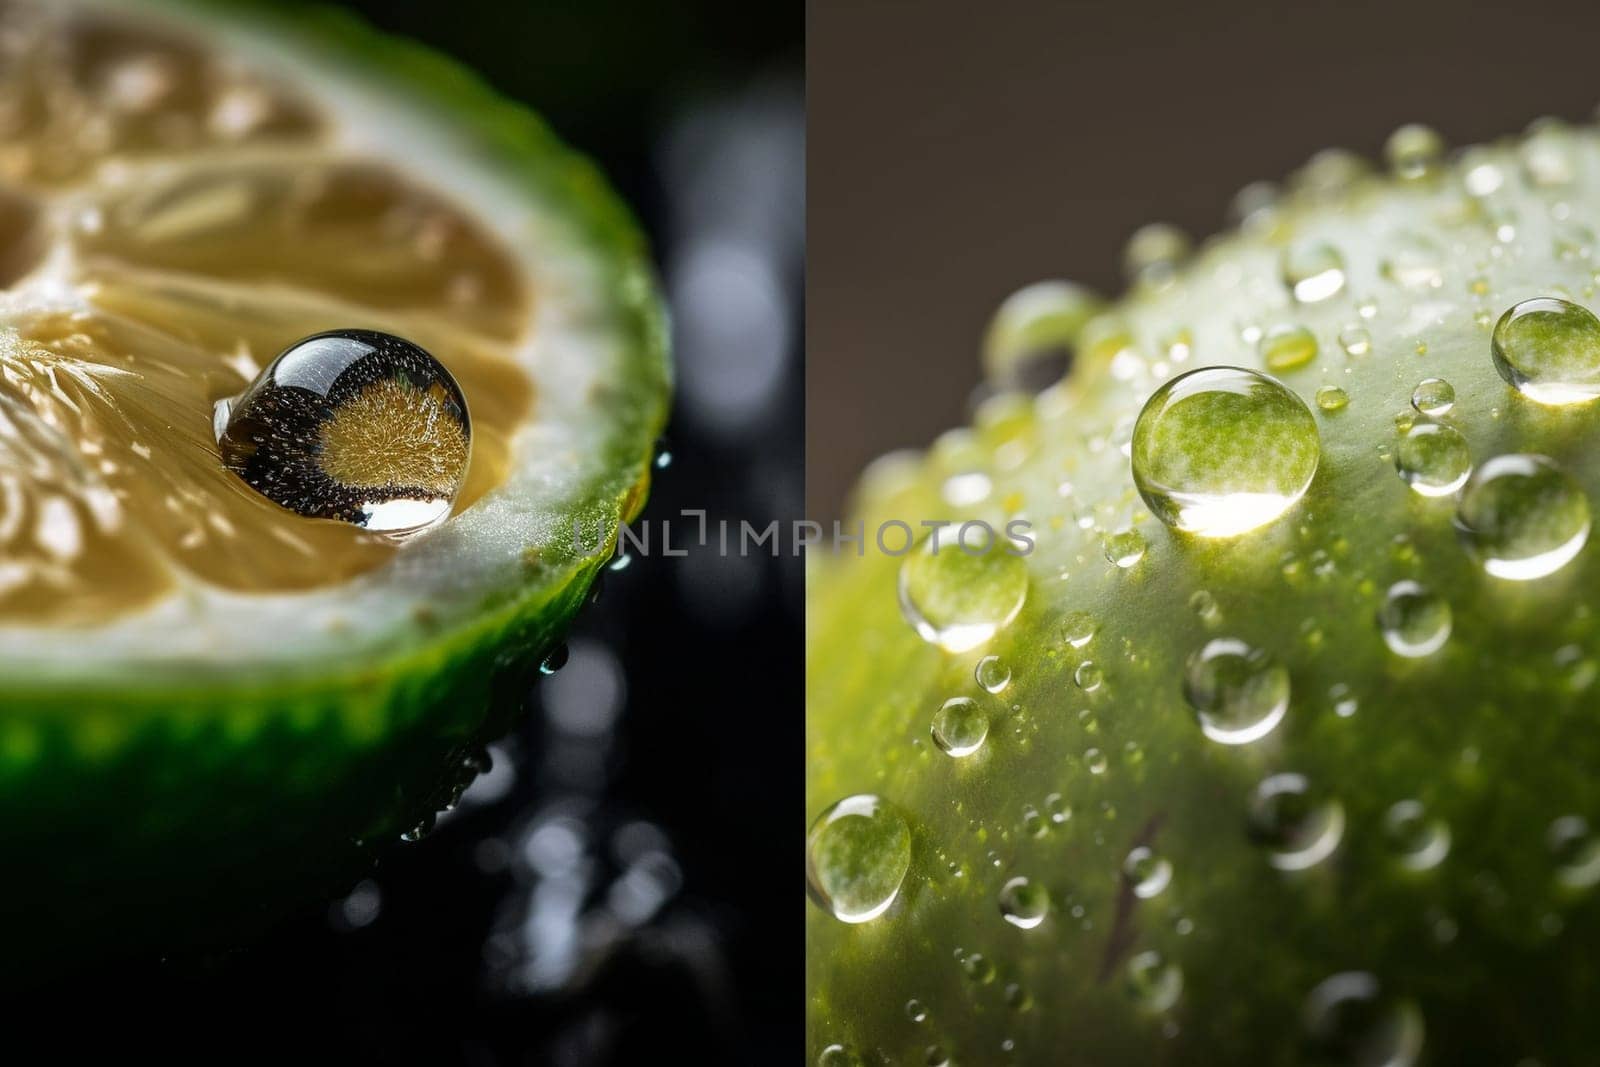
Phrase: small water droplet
{"type": "Point", "coordinates": [555, 660]}
{"type": "Point", "coordinates": [1238, 693]}
{"type": "Point", "coordinates": [1414, 620]}
{"type": "Point", "coordinates": [1419, 841]}
{"type": "Point", "coordinates": [992, 674]}
{"type": "Point", "coordinates": [977, 967]}
{"type": "Point", "coordinates": [1024, 903]}
{"type": "Point", "coordinates": [1154, 982]}
{"type": "Point", "coordinates": [1355, 340]}
{"type": "Point", "coordinates": [1313, 271]}
{"type": "Point", "coordinates": [1548, 349]}
{"type": "Point", "coordinates": [857, 854]}
{"type": "Point", "coordinates": [957, 596]}
{"type": "Point", "coordinates": [1433, 397]}
{"type": "Point", "coordinates": [1095, 760]}
{"type": "Point", "coordinates": [1288, 348]}
{"type": "Point", "coordinates": [1576, 851]}
{"type": "Point", "coordinates": [1088, 676]}
{"type": "Point", "coordinates": [1147, 873]}
{"type": "Point", "coordinates": [1125, 548]}
{"type": "Point", "coordinates": [1432, 458]}
{"type": "Point", "coordinates": [1549, 155]}
{"type": "Point", "coordinates": [837, 1055]}
{"type": "Point", "coordinates": [1078, 628]}
{"type": "Point", "coordinates": [1414, 151]}
{"type": "Point", "coordinates": [1222, 450]}
{"type": "Point", "coordinates": [1331, 398]}
{"type": "Point", "coordinates": [1033, 333]}
{"type": "Point", "coordinates": [1154, 253]}
{"type": "Point", "coordinates": [916, 1011]}
{"type": "Point", "coordinates": [1522, 517]}
{"type": "Point", "coordinates": [1294, 822]}
{"type": "Point", "coordinates": [1204, 605]}
{"type": "Point", "coordinates": [1057, 808]}
{"type": "Point", "coordinates": [1352, 1022]}
{"type": "Point", "coordinates": [959, 727]}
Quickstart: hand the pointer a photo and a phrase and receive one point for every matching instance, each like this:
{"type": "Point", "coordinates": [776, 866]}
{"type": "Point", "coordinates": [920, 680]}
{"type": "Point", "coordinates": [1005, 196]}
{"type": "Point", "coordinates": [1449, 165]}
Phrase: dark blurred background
{"type": "Point", "coordinates": [958, 151]}
{"type": "Point", "coordinates": [615, 889]}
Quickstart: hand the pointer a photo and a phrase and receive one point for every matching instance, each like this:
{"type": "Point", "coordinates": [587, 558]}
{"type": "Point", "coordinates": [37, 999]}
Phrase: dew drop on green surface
{"type": "Point", "coordinates": [1575, 850]}
{"type": "Point", "coordinates": [958, 595]}
{"type": "Point", "coordinates": [1549, 350]}
{"type": "Point", "coordinates": [1355, 340]}
{"type": "Point", "coordinates": [1549, 155]}
{"type": "Point", "coordinates": [1414, 620]}
{"type": "Point", "coordinates": [1153, 254]}
{"type": "Point", "coordinates": [936, 1056]}
{"type": "Point", "coordinates": [1024, 903]}
{"type": "Point", "coordinates": [1419, 841]}
{"type": "Point", "coordinates": [1238, 693]}
{"type": "Point", "coordinates": [1287, 348]}
{"type": "Point", "coordinates": [1222, 450]}
{"type": "Point", "coordinates": [1294, 822]}
{"type": "Point", "coordinates": [1413, 151]}
{"type": "Point", "coordinates": [1125, 548]}
{"type": "Point", "coordinates": [1088, 676]}
{"type": "Point", "coordinates": [1522, 517]}
{"type": "Point", "coordinates": [1432, 458]}
{"type": "Point", "coordinates": [1433, 397]}
{"type": "Point", "coordinates": [1154, 982]}
{"type": "Point", "coordinates": [977, 967]}
{"type": "Point", "coordinates": [992, 674]}
{"type": "Point", "coordinates": [857, 854]}
{"type": "Point", "coordinates": [837, 1055]}
{"type": "Point", "coordinates": [1095, 760]}
{"type": "Point", "coordinates": [1147, 873]}
{"type": "Point", "coordinates": [959, 727]}
{"type": "Point", "coordinates": [1313, 271]}
{"type": "Point", "coordinates": [1036, 329]}
{"type": "Point", "coordinates": [1331, 398]}
{"type": "Point", "coordinates": [1078, 628]}
{"type": "Point", "coordinates": [1056, 806]}
{"type": "Point", "coordinates": [916, 1011]}
{"type": "Point", "coordinates": [1351, 1022]}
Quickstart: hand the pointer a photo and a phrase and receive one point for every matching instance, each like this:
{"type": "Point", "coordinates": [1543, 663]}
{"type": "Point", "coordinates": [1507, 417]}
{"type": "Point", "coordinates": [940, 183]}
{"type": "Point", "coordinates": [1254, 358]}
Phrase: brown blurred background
{"type": "Point", "coordinates": [958, 150]}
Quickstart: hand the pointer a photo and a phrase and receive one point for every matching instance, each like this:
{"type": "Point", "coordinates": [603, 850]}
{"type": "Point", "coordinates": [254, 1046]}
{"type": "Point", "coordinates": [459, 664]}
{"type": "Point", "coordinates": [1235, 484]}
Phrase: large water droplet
{"type": "Point", "coordinates": [1351, 1021]}
{"type": "Point", "coordinates": [959, 727]}
{"type": "Point", "coordinates": [1239, 693]}
{"type": "Point", "coordinates": [1222, 450]}
{"type": "Point", "coordinates": [354, 425]}
{"type": "Point", "coordinates": [1432, 458]}
{"type": "Point", "coordinates": [1313, 271]}
{"type": "Point", "coordinates": [1415, 621]}
{"type": "Point", "coordinates": [857, 854]}
{"type": "Point", "coordinates": [1296, 823]}
{"type": "Point", "coordinates": [1549, 350]}
{"type": "Point", "coordinates": [958, 596]}
{"type": "Point", "coordinates": [1522, 517]}
{"type": "Point", "coordinates": [1024, 903]}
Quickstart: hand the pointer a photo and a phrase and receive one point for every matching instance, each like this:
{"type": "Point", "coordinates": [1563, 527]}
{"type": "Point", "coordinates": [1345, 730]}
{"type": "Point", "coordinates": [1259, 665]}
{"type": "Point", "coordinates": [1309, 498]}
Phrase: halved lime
{"type": "Point", "coordinates": [209, 702]}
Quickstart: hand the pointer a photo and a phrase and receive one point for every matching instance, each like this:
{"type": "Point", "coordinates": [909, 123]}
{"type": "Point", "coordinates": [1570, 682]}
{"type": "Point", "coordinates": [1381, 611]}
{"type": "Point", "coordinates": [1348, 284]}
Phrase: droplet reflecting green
{"type": "Point", "coordinates": [857, 855]}
{"type": "Point", "coordinates": [1432, 458]}
{"type": "Point", "coordinates": [1415, 621]}
{"type": "Point", "coordinates": [1549, 350]}
{"type": "Point", "coordinates": [957, 596]}
{"type": "Point", "coordinates": [959, 727]}
{"type": "Point", "coordinates": [1239, 693]}
{"type": "Point", "coordinates": [1522, 517]}
{"type": "Point", "coordinates": [1024, 903]}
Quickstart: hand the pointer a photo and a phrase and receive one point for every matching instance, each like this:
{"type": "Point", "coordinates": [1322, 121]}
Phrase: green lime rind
{"type": "Point", "coordinates": [1486, 948]}
{"type": "Point", "coordinates": [159, 805]}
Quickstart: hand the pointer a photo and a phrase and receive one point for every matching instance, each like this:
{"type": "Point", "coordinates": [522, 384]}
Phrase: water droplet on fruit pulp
{"type": "Point", "coordinates": [353, 425]}
{"type": "Point", "coordinates": [1418, 840]}
{"type": "Point", "coordinates": [1239, 693]}
{"type": "Point", "coordinates": [1294, 822]}
{"type": "Point", "coordinates": [1222, 450]}
{"type": "Point", "coordinates": [1024, 903]}
{"type": "Point", "coordinates": [1433, 397]}
{"type": "Point", "coordinates": [1432, 458]}
{"type": "Point", "coordinates": [1147, 873]}
{"type": "Point", "coordinates": [1088, 676]}
{"type": "Point", "coordinates": [1415, 621]}
{"type": "Point", "coordinates": [1287, 348]}
{"type": "Point", "coordinates": [959, 594]}
{"type": "Point", "coordinates": [857, 854]}
{"type": "Point", "coordinates": [1522, 517]}
{"type": "Point", "coordinates": [1351, 1021]}
{"type": "Point", "coordinates": [992, 674]}
{"type": "Point", "coordinates": [959, 727]}
{"type": "Point", "coordinates": [1313, 271]}
{"type": "Point", "coordinates": [1035, 329]}
{"type": "Point", "coordinates": [1549, 350]}
{"type": "Point", "coordinates": [1125, 548]}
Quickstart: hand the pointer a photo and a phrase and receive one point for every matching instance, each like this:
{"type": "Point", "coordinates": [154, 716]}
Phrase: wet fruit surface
{"type": "Point", "coordinates": [1328, 769]}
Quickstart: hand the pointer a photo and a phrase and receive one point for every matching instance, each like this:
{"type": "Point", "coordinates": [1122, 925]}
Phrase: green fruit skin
{"type": "Point", "coordinates": [1496, 734]}
{"type": "Point", "coordinates": [177, 810]}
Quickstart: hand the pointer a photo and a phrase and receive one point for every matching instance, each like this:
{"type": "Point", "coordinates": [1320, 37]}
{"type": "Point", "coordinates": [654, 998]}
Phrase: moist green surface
{"type": "Point", "coordinates": [1495, 734]}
